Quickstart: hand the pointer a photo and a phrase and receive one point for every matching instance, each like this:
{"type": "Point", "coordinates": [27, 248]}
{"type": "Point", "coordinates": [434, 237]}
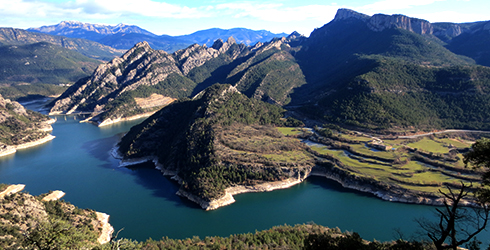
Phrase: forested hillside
{"type": "Point", "coordinates": [219, 139]}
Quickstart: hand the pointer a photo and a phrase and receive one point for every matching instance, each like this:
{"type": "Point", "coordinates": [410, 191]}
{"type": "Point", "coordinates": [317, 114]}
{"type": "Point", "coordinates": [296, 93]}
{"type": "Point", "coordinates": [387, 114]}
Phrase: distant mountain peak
{"type": "Point", "coordinates": [89, 31]}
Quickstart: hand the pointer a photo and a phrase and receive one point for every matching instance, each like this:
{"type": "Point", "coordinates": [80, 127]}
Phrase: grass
{"type": "Point", "coordinates": [412, 175]}
{"type": "Point", "coordinates": [455, 142]}
{"type": "Point", "coordinates": [288, 156]}
{"type": "Point", "coordinates": [289, 131]}
{"type": "Point", "coordinates": [361, 148]}
{"type": "Point", "coordinates": [430, 145]}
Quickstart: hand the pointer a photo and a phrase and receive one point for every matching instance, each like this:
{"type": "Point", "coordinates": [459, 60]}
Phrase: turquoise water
{"type": "Point", "coordinates": [143, 202]}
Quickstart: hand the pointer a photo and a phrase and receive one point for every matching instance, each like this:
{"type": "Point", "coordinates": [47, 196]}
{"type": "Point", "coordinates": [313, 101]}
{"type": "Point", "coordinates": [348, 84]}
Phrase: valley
{"type": "Point", "coordinates": [384, 106]}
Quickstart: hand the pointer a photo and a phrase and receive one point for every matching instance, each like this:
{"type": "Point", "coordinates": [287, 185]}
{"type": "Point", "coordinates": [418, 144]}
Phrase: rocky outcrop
{"type": "Point", "coordinates": [12, 189]}
{"type": "Point", "coordinates": [380, 190]}
{"type": "Point", "coordinates": [380, 22]}
{"type": "Point", "coordinates": [106, 229]}
{"type": "Point", "coordinates": [228, 199]}
{"type": "Point", "coordinates": [54, 196]}
{"type": "Point", "coordinates": [343, 14]}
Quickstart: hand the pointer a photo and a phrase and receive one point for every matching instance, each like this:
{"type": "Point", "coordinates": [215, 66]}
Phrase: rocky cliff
{"type": "Point", "coordinates": [444, 31]}
{"type": "Point", "coordinates": [380, 22]}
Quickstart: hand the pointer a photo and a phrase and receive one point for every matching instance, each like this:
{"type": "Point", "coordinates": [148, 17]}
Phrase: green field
{"type": "Point", "coordinates": [399, 166]}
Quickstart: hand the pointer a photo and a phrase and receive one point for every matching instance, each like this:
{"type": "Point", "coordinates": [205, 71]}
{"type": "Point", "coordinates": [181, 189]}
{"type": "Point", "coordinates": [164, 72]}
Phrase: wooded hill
{"type": "Point", "coordinates": [35, 64]}
{"type": "Point", "coordinates": [380, 72]}
{"type": "Point", "coordinates": [218, 139]}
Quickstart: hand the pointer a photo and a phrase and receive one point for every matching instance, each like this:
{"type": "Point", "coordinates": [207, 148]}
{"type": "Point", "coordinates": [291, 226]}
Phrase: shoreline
{"type": "Point", "coordinates": [12, 149]}
{"type": "Point", "coordinates": [117, 120]}
{"type": "Point", "coordinates": [107, 229]}
{"type": "Point", "coordinates": [125, 119]}
{"type": "Point", "coordinates": [227, 198]}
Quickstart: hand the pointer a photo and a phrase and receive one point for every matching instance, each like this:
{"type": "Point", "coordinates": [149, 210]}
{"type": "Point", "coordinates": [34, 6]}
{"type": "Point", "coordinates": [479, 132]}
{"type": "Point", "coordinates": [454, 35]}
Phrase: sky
{"type": "Point", "coordinates": [180, 17]}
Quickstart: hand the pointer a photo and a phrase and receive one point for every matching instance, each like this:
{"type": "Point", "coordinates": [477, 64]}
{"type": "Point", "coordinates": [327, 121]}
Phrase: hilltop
{"type": "Point", "coordinates": [11, 36]}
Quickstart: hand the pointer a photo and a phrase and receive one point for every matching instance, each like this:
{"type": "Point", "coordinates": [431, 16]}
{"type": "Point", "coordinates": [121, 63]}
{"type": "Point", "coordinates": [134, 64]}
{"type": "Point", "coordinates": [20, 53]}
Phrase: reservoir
{"type": "Point", "coordinates": [143, 203]}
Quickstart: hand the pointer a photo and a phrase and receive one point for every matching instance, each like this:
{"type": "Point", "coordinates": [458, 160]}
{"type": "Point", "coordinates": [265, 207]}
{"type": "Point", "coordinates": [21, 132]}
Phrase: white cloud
{"type": "Point", "coordinates": [95, 9]}
{"type": "Point", "coordinates": [385, 5]}
{"type": "Point", "coordinates": [453, 17]}
{"type": "Point", "coordinates": [277, 12]}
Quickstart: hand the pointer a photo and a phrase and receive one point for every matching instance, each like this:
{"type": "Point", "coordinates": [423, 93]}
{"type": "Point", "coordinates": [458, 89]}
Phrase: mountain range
{"type": "Point", "coordinates": [374, 72]}
{"type": "Point", "coordinates": [124, 36]}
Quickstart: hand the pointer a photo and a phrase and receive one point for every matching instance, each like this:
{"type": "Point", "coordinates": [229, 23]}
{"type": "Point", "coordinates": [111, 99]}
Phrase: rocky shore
{"type": "Point", "coordinates": [124, 119]}
{"type": "Point", "coordinates": [395, 195]}
{"type": "Point", "coordinates": [392, 193]}
{"type": "Point", "coordinates": [228, 199]}
{"type": "Point", "coordinates": [7, 150]}
{"type": "Point", "coordinates": [106, 228]}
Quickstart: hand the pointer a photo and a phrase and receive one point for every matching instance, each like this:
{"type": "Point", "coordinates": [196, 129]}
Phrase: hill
{"type": "Point", "coordinates": [40, 69]}
{"type": "Point", "coordinates": [124, 36]}
{"type": "Point", "coordinates": [20, 127]}
{"type": "Point", "coordinates": [217, 140]}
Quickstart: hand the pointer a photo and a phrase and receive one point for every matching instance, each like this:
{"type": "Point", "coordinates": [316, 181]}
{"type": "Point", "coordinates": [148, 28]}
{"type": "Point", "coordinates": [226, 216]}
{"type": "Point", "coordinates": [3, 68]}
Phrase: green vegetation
{"type": "Point", "coordinates": [26, 222]}
{"type": "Point", "coordinates": [43, 63]}
{"type": "Point", "coordinates": [22, 92]}
{"type": "Point", "coordinates": [309, 236]}
{"type": "Point", "coordinates": [399, 96]}
{"type": "Point", "coordinates": [421, 166]}
{"type": "Point", "coordinates": [219, 140]}
{"type": "Point", "coordinates": [19, 125]}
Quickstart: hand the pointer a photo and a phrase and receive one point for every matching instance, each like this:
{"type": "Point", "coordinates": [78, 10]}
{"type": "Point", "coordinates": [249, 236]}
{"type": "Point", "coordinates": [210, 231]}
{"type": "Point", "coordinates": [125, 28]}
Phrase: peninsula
{"type": "Point", "coordinates": [21, 128]}
{"type": "Point", "coordinates": [222, 143]}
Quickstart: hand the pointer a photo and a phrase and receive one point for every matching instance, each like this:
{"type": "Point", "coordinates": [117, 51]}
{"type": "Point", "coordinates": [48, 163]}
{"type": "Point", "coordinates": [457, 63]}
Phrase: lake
{"type": "Point", "coordinates": [143, 202]}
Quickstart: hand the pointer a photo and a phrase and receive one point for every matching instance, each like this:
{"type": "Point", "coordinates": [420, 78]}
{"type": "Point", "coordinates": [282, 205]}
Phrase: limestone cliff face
{"type": "Point", "coordinates": [380, 22]}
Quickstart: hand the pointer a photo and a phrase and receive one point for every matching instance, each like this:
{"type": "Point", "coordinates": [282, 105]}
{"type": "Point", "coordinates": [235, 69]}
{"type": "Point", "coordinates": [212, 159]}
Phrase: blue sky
{"type": "Point", "coordinates": [178, 17]}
